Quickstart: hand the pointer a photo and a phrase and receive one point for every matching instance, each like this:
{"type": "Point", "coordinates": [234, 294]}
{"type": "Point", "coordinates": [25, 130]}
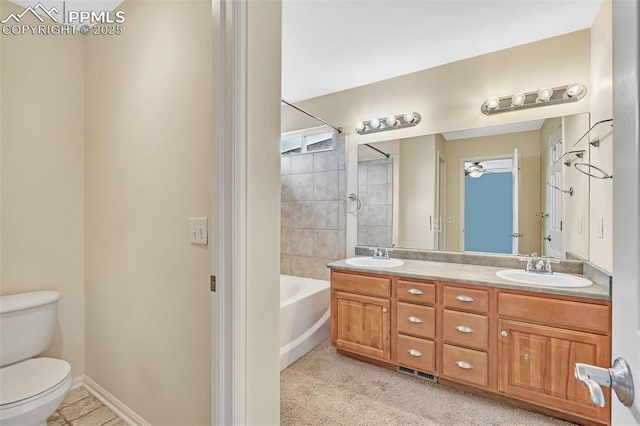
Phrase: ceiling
{"type": "Point", "coordinates": [331, 45]}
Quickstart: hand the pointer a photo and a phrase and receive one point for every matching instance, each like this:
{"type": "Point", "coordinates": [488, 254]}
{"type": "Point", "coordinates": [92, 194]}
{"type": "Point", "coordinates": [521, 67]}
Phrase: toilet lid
{"type": "Point", "coordinates": [27, 379]}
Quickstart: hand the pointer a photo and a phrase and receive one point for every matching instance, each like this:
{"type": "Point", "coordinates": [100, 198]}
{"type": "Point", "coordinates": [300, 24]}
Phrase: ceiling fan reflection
{"type": "Point", "coordinates": [476, 170]}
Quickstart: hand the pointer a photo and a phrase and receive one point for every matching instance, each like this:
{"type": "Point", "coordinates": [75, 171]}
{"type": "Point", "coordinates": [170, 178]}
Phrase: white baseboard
{"type": "Point", "coordinates": [113, 403]}
{"type": "Point", "coordinates": [77, 382]}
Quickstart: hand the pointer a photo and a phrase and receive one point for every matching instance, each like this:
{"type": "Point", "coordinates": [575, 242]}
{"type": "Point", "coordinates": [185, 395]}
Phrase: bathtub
{"type": "Point", "coordinates": [304, 316]}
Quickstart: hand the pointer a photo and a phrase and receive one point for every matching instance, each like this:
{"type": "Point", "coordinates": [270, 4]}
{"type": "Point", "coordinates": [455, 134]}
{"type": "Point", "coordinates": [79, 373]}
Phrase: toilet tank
{"type": "Point", "coordinates": [27, 324]}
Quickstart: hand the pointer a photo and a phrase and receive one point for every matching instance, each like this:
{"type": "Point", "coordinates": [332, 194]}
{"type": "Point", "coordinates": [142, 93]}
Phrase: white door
{"type": "Point", "coordinates": [515, 172]}
{"type": "Point", "coordinates": [626, 198]}
{"type": "Point", "coordinates": [553, 223]}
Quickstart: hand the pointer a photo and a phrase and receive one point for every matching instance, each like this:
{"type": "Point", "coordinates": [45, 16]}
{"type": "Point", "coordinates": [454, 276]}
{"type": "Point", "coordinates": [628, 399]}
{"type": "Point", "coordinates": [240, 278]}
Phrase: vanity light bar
{"type": "Point", "coordinates": [392, 122]}
{"type": "Point", "coordinates": [543, 97]}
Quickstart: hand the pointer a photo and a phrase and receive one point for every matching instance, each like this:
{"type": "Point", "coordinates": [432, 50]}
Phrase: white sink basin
{"type": "Point", "coordinates": [548, 280]}
{"type": "Point", "coordinates": [371, 262]}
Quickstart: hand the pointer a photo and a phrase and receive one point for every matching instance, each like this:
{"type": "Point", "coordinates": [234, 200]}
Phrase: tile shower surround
{"type": "Point", "coordinates": [313, 220]}
{"type": "Point", "coordinates": [375, 189]}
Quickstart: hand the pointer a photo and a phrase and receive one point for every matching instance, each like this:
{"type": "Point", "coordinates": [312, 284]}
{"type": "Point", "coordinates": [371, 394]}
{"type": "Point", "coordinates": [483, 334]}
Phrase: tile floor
{"type": "Point", "coordinates": [80, 408]}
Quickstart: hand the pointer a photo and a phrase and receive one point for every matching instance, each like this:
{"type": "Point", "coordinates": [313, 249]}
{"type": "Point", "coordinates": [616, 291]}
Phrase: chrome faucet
{"type": "Point", "coordinates": [381, 253]}
{"type": "Point", "coordinates": [538, 264]}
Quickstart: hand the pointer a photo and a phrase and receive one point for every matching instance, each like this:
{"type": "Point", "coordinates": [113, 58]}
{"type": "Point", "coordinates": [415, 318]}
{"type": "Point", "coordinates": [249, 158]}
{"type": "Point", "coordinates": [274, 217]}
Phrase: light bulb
{"type": "Point", "coordinates": [409, 117]}
{"type": "Point", "coordinates": [475, 174]}
{"type": "Point", "coordinates": [493, 102]}
{"type": "Point", "coordinates": [574, 90]}
{"type": "Point", "coordinates": [545, 94]}
{"type": "Point", "coordinates": [359, 126]}
{"type": "Point", "coordinates": [375, 123]}
{"type": "Point", "coordinates": [391, 120]}
{"type": "Point", "coordinates": [518, 99]}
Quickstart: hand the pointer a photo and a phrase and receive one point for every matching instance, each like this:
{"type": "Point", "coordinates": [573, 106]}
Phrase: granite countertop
{"type": "Point", "coordinates": [469, 274]}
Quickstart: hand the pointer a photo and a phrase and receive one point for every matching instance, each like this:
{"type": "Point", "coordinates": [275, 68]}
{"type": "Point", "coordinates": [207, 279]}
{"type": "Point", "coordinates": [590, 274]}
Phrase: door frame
{"type": "Point", "coordinates": [228, 254]}
{"type": "Point", "coordinates": [626, 199]}
{"type": "Point", "coordinates": [462, 188]}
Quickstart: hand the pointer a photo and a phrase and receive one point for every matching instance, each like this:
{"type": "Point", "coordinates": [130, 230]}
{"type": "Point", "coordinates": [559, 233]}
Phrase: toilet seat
{"type": "Point", "coordinates": [27, 381]}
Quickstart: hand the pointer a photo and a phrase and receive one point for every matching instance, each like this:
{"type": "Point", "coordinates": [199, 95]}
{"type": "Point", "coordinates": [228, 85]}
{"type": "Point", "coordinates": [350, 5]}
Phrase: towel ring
{"type": "Point", "coordinates": [604, 175]}
{"type": "Point", "coordinates": [351, 197]}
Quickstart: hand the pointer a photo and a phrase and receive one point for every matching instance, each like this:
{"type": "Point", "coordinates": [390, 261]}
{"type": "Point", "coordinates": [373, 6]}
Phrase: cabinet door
{"type": "Point", "coordinates": [536, 363]}
{"type": "Point", "coordinates": [361, 324]}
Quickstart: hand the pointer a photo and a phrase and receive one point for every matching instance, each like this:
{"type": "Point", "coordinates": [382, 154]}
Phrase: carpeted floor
{"type": "Point", "coordinates": [324, 388]}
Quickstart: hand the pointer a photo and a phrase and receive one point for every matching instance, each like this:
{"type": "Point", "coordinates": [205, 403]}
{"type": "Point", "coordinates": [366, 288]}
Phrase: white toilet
{"type": "Point", "coordinates": [30, 388]}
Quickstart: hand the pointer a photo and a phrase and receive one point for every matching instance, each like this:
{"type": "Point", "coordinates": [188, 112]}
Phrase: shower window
{"type": "Point", "coordinates": [314, 140]}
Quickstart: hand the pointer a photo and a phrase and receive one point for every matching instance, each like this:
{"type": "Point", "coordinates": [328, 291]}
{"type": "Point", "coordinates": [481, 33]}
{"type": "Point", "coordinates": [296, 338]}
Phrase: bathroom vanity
{"type": "Point", "coordinates": [467, 328]}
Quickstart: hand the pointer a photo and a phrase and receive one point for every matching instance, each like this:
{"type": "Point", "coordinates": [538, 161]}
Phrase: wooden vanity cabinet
{"type": "Point", "coordinates": [415, 325]}
{"type": "Point", "coordinates": [540, 340]}
{"type": "Point", "coordinates": [361, 314]}
{"type": "Point", "coordinates": [465, 334]}
{"type": "Point", "coordinates": [508, 344]}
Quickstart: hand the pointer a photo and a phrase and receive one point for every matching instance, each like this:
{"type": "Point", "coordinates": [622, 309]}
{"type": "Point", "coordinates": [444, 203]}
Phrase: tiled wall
{"type": "Point", "coordinates": [375, 190]}
{"type": "Point", "coordinates": [313, 219]}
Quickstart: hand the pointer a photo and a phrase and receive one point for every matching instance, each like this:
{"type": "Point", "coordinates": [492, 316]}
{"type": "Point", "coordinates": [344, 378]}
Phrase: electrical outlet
{"type": "Point", "coordinates": [199, 231]}
{"type": "Point", "coordinates": [600, 226]}
{"type": "Point", "coordinates": [450, 219]}
{"type": "Point", "coordinates": [579, 224]}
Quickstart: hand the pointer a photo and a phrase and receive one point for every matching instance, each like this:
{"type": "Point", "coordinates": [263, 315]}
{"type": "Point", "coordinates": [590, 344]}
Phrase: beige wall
{"type": "Point", "coordinates": [576, 207]}
{"type": "Point", "coordinates": [149, 131]}
{"type": "Point", "coordinates": [601, 200]}
{"type": "Point", "coordinates": [263, 212]}
{"type": "Point", "coordinates": [417, 191]}
{"type": "Point", "coordinates": [42, 193]}
{"type": "Point", "coordinates": [498, 146]}
{"type": "Point", "coordinates": [449, 96]}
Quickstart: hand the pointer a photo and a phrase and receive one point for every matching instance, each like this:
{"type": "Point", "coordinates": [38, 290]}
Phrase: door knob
{"type": "Point", "coordinates": [618, 378]}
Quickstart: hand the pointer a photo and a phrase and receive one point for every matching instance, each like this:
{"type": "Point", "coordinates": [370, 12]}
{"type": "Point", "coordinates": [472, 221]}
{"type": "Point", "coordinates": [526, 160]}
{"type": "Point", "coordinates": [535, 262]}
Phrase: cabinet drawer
{"type": "Point", "coordinates": [415, 319]}
{"type": "Point", "coordinates": [559, 313]}
{"type": "Point", "coordinates": [465, 365]}
{"type": "Point", "coordinates": [361, 284]}
{"type": "Point", "coordinates": [415, 292]}
{"type": "Point", "coordinates": [474, 300]}
{"type": "Point", "coordinates": [464, 329]}
{"type": "Point", "coordinates": [417, 353]}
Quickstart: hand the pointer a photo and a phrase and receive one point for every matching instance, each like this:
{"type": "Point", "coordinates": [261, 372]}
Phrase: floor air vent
{"type": "Point", "coordinates": [416, 373]}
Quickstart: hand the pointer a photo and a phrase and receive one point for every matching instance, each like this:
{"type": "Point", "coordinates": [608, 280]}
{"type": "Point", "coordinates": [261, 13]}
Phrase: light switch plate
{"type": "Point", "coordinates": [600, 226]}
{"type": "Point", "coordinates": [449, 219]}
{"type": "Point", "coordinates": [199, 231]}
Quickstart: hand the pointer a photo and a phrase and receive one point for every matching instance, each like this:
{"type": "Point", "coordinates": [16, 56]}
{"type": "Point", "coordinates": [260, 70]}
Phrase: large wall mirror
{"type": "Point", "coordinates": [508, 189]}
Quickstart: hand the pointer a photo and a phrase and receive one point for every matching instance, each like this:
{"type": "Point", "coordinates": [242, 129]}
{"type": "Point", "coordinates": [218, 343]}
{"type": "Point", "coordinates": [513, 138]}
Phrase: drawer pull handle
{"type": "Point", "coordinates": [415, 320]}
{"type": "Point", "coordinates": [415, 353]}
{"type": "Point", "coordinates": [464, 329]}
{"type": "Point", "coordinates": [464, 298]}
{"type": "Point", "coordinates": [415, 291]}
{"type": "Point", "coordinates": [464, 365]}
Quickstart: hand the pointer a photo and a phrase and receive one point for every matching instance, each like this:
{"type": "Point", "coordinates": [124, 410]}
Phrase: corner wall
{"type": "Point", "coordinates": [149, 132]}
{"type": "Point", "coordinates": [41, 175]}
{"type": "Point", "coordinates": [601, 197]}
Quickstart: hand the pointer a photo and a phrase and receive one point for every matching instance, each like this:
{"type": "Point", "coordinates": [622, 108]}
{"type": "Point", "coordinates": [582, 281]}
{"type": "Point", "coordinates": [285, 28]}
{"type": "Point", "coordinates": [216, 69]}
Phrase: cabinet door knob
{"type": "Point", "coordinates": [414, 352]}
{"type": "Point", "coordinates": [464, 329]}
{"type": "Point", "coordinates": [385, 310]}
{"type": "Point", "coordinates": [415, 291]}
{"type": "Point", "coordinates": [415, 320]}
{"type": "Point", "coordinates": [464, 298]}
{"type": "Point", "coordinates": [464, 365]}
{"type": "Point", "coordinates": [504, 333]}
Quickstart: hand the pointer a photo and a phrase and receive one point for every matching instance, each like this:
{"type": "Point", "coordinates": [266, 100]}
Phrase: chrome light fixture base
{"type": "Point", "coordinates": [391, 122]}
{"type": "Point", "coordinates": [563, 94]}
